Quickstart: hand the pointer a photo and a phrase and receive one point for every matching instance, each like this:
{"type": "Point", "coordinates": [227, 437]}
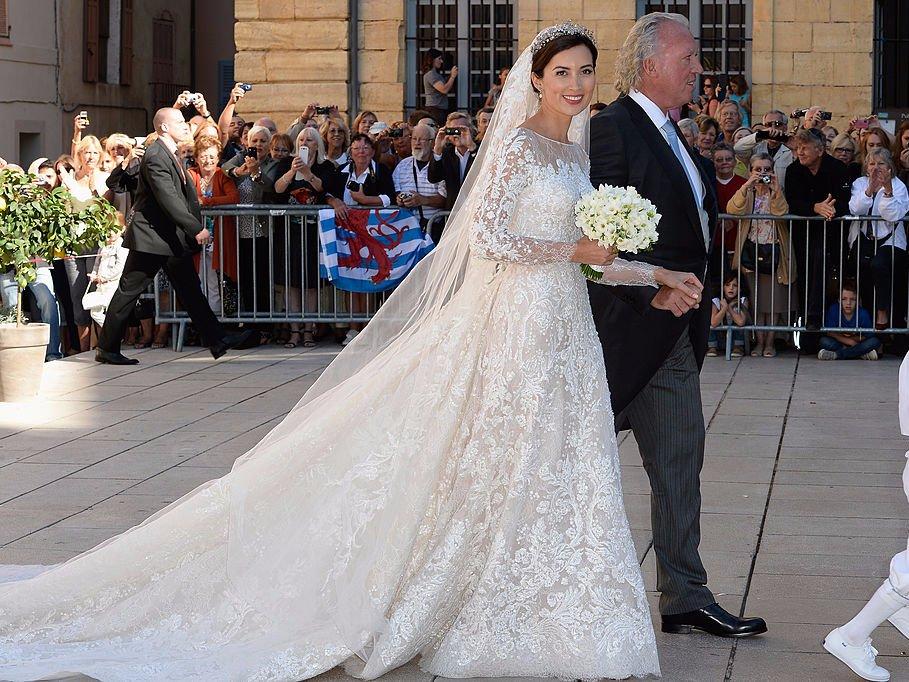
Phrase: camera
{"type": "Point", "coordinates": [452, 131]}
{"type": "Point", "coordinates": [323, 111]}
{"type": "Point", "coordinates": [193, 97]}
{"type": "Point", "coordinates": [245, 87]}
{"type": "Point", "coordinates": [353, 186]}
{"type": "Point", "coordinates": [396, 132]}
{"type": "Point", "coordinates": [404, 196]}
{"type": "Point", "coordinates": [765, 135]}
{"type": "Point", "coordinates": [799, 113]}
{"type": "Point", "coordinates": [765, 179]}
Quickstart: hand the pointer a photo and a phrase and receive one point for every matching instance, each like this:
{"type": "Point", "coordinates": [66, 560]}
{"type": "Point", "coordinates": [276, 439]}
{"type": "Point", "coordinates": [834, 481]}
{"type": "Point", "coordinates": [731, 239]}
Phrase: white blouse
{"type": "Point", "coordinates": [891, 209]}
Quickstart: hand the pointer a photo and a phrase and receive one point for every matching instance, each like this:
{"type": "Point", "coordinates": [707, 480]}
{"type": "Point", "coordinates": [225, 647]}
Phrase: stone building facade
{"type": "Point", "coordinates": [795, 53]}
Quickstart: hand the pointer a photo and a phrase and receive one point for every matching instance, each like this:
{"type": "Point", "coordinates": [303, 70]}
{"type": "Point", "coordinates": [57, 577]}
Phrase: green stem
{"type": "Point", "coordinates": [18, 306]}
{"type": "Point", "coordinates": [590, 273]}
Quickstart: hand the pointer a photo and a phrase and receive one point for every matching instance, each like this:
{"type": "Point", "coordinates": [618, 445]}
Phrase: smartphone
{"type": "Point", "coordinates": [861, 124]}
{"type": "Point", "coordinates": [252, 154]}
{"type": "Point", "coordinates": [304, 155]}
{"type": "Point", "coordinates": [84, 116]}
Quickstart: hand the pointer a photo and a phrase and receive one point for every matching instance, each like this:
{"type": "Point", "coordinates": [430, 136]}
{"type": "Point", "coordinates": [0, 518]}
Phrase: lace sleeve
{"type": "Point", "coordinates": [629, 272]}
{"type": "Point", "coordinates": [490, 237]}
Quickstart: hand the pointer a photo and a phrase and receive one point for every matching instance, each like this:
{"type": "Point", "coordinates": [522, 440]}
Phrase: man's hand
{"type": "Point", "coordinates": [203, 237]}
{"type": "Point", "coordinates": [675, 301]}
{"type": "Point", "coordinates": [826, 208]}
{"type": "Point", "coordinates": [813, 118]}
{"type": "Point", "coordinates": [201, 105]}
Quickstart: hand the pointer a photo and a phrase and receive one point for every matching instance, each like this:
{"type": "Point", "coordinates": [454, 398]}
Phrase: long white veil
{"type": "Point", "coordinates": [297, 551]}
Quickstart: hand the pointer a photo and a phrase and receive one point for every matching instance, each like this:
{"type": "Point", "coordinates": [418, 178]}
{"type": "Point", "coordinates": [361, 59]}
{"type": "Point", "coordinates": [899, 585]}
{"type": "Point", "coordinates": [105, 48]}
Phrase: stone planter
{"type": "Point", "coordinates": [22, 351]}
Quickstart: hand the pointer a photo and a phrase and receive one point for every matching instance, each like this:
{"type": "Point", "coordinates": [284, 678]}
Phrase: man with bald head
{"type": "Point", "coordinates": [414, 190]}
{"type": "Point", "coordinates": [164, 231]}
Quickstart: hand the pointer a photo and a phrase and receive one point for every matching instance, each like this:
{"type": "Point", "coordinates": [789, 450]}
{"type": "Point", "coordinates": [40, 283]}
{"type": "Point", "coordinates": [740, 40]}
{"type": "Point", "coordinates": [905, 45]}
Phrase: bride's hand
{"type": "Point", "coordinates": [683, 282]}
{"type": "Point", "coordinates": [590, 252]}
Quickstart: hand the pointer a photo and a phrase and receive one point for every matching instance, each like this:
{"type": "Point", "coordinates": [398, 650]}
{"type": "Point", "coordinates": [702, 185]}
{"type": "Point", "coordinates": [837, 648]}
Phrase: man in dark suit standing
{"type": "Point", "coordinates": [165, 230]}
{"type": "Point", "coordinates": [452, 156]}
{"type": "Point", "coordinates": [654, 340]}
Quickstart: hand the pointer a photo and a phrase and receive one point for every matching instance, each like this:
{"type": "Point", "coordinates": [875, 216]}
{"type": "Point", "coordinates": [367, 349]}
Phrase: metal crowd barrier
{"type": "Point", "coordinates": [824, 259]}
{"type": "Point", "coordinates": [262, 267]}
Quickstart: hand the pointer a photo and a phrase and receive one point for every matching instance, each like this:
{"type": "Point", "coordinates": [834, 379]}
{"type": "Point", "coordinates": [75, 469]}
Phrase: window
{"type": "Point", "coordinates": [891, 52]}
{"type": "Point", "coordinates": [107, 44]}
{"type": "Point", "coordinates": [723, 28]}
{"type": "Point", "coordinates": [164, 90]}
{"type": "Point", "coordinates": [225, 80]}
{"type": "Point", "coordinates": [478, 36]}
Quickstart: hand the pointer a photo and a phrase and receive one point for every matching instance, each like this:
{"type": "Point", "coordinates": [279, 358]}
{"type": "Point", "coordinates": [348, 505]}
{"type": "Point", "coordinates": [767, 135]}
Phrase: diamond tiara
{"type": "Point", "coordinates": [563, 29]}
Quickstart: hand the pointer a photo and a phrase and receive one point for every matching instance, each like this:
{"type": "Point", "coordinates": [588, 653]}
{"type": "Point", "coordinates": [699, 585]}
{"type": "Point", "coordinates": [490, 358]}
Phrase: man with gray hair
{"type": "Point", "coordinates": [654, 340]}
{"type": "Point", "coordinates": [412, 184]}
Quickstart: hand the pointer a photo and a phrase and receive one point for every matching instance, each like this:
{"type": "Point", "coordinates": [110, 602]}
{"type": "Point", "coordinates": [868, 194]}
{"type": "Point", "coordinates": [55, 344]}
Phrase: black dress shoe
{"type": "Point", "coordinates": [108, 358]}
{"type": "Point", "coordinates": [229, 341]}
{"type": "Point", "coordinates": [714, 620]}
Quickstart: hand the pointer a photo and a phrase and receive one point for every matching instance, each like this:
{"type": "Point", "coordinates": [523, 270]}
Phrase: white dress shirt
{"type": "Point", "coordinates": [659, 118]}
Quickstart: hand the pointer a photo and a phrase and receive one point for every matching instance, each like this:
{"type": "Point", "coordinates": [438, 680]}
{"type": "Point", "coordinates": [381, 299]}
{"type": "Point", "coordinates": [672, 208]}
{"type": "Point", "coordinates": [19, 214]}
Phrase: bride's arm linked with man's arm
{"type": "Point", "coordinates": [491, 237]}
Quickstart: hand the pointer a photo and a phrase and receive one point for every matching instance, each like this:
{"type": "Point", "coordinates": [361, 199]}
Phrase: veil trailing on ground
{"type": "Point", "coordinates": [294, 560]}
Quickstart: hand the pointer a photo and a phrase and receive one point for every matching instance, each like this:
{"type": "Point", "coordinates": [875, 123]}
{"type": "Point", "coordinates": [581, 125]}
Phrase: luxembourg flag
{"type": "Point", "coordinates": [373, 250]}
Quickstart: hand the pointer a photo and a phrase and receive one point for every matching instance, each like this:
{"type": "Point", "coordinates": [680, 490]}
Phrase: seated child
{"type": "Point", "coordinates": [848, 345]}
{"type": "Point", "coordinates": [730, 310]}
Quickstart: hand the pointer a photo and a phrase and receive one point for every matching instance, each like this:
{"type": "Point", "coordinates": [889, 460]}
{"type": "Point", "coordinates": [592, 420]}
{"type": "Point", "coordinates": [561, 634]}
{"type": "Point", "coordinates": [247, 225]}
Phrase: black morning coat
{"type": "Point", "coordinates": [626, 149]}
{"type": "Point", "coordinates": [166, 216]}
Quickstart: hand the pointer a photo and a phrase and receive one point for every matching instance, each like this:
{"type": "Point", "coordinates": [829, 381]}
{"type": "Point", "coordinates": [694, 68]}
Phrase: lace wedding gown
{"type": "Point", "coordinates": [466, 507]}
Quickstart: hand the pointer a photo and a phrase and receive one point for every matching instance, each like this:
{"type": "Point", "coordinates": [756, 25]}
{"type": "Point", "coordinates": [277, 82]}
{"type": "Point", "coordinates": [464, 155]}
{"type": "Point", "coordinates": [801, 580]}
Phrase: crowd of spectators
{"type": "Point", "coordinates": [787, 271]}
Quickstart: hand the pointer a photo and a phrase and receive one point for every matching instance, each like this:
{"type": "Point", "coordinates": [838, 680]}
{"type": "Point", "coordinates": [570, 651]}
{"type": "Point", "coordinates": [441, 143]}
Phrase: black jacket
{"type": "Point", "coordinates": [804, 189]}
{"type": "Point", "coordinates": [627, 149]}
{"type": "Point", "coordinates": [378, 182]}
{"type": "Point", "coordinates": [166, 217]}
{"type": "Point", "coordinates": [448, 169]}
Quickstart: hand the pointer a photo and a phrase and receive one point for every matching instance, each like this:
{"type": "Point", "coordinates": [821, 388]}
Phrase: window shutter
{"type": "Point", "coordinates": [126, 42]}
{"type": "Point", "coordinates": [91, 35]}
{"type": "Point", "coordinates": [4, 20]}
{"type": "Point", "coordinates": [225, 80]}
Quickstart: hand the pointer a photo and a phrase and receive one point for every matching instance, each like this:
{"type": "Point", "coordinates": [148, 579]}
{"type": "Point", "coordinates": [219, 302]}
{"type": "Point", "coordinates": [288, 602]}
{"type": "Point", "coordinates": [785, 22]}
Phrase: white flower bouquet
{"type": "Point", "coordinates": [616, 217]}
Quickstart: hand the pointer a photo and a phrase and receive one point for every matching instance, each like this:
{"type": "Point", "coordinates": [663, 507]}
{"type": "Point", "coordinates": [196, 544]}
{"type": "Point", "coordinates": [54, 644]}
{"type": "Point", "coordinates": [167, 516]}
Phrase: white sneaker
{"type": "Point", "coordinates": [870, 355]}
{"type": "Point", "coordinates": [825, 354]}
{"type": "Point", "coordinates": [900, 620]}
{"type": "Point", "coordinates": [860, 659]}
{"type": "Point", "coordinates": [351, 335]}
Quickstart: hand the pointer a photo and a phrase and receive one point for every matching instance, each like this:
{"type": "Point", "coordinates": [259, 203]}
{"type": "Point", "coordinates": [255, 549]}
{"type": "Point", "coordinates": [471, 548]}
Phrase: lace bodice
{"type": "Point", "coordinates": [528, 213]}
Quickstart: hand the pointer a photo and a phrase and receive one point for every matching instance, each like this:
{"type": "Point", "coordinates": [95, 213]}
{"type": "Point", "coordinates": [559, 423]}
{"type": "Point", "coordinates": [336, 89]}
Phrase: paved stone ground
{"type": "Point", "coordinates": [803, 504]}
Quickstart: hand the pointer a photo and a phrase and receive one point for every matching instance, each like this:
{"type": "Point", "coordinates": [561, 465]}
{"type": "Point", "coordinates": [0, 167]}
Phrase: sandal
{"type": "Point", "coordinates": [308, 340]}
{"type": "Point", "coordinates": [291, 343]}
{"type": "Point", "coordinates": [757, 351]}
{"type": "Point", "coordinates": [143, 344]}
{"type": "Point", "coordinates": [770, 352]}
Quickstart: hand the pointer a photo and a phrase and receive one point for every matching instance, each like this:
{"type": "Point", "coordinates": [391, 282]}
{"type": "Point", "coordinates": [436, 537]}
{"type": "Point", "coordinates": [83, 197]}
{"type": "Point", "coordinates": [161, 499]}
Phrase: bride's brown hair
{"type": "Point", "coordinates": [565, 42]}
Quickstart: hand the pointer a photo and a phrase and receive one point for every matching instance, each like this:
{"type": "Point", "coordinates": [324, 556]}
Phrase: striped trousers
{"type": "Point", "coordinates": [667, 420]}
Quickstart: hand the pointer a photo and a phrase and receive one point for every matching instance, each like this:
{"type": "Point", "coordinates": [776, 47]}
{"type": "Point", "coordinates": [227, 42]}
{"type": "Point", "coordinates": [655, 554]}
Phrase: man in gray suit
{"type": "Point", "coordinates": [654, 340]}
{"type": "Point", "coordinates": [165, 231]}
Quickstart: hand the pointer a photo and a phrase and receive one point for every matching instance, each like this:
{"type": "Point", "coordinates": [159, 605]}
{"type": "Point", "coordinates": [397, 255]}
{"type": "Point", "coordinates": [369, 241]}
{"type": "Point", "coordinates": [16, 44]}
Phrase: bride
{"type": "Point", "coordinates": [448, 488]}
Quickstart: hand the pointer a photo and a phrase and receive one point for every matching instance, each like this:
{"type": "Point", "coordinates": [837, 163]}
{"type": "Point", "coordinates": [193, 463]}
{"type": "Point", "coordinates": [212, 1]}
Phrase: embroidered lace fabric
{"type": "Point", "coordinates": [470, 513]}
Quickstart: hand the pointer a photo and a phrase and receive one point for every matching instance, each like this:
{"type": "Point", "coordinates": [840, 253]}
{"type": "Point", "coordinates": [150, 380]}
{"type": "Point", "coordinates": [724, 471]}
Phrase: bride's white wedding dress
{"type": "Point", "coordinates": [451, 489]}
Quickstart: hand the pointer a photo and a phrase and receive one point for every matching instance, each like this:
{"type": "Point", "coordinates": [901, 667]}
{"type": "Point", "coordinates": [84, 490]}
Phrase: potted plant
{"type": "Point", "coordinates": [35, 224]}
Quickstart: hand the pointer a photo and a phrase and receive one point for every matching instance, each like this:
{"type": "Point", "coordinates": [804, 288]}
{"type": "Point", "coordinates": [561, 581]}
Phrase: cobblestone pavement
{"type": "Point", "coordinates": [803, 503]}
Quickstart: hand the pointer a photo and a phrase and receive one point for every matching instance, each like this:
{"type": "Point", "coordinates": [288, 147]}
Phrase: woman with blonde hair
{"type": "Point", "coordinates": [843, 148]}
{"type": "Point", "coordinates": [762, 248]}
{"type": "Point", "coordinates": [85, 182]}
{"type": "Point", "coordinates": [336, 137]}
{"type": "Point", "coordinates": [872, 138]}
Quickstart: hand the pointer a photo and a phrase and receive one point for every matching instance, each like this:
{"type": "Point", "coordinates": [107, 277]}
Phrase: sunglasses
{"type": "Point", "coordinates": [846, 150]}
{"type": "Point", "coordinates": [775, 124]}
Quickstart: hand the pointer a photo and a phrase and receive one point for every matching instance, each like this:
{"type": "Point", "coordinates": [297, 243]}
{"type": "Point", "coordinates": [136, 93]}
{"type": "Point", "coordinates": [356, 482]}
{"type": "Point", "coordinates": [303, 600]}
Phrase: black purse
{"type": "Point", "coordinates": [761, 258]}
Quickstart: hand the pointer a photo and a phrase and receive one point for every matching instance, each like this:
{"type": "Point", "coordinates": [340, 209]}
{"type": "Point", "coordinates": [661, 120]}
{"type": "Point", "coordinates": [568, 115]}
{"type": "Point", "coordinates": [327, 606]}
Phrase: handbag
{"type": "Point", "coordinates": [761, 258]}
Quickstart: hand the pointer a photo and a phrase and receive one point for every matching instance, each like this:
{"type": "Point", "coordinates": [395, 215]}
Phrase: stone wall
{"type": "Point", "coordinates": [296, 52]}
{"type": "Point", "coordinates": [813, 52]}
